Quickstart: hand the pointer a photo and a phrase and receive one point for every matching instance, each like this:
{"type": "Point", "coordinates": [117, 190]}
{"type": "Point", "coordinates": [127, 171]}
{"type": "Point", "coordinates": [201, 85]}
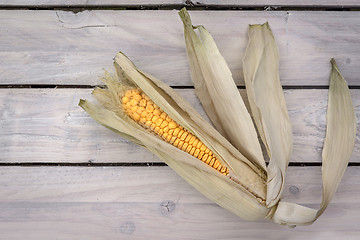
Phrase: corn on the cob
{"type": "Point", "coordinates": [148, 115]}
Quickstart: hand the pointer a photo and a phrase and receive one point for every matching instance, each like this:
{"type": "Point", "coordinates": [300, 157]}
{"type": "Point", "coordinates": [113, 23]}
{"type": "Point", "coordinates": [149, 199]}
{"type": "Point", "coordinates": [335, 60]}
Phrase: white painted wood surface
{"type": "Point", "coordinates": [57, 47]}
{"type": "Point", "coordinates": [46, 125]}
{"type": "Point", "coordinates": [229, 3]}
{"type": "Point", "coordinates": [70, 3]}
{"type": "Point", "coordinates": [101, 203]}
{"type": "Point", "coordinates": [283, 3]}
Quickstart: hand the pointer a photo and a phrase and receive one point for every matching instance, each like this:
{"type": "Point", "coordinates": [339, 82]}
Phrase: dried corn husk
{"type": "Point", "coordinates": [268, 107]}
{"type": "Point", "coordinates": [338, 146]}
{"type": "Point", "coordinates": [251, 190]}
{"type": "Point", "coordinates": [218, 93]}
{"type": "Point", "coordinates": [245, 196]}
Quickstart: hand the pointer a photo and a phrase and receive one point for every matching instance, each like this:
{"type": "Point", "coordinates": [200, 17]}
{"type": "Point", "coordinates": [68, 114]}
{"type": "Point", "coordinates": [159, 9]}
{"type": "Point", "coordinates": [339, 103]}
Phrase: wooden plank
{"type": "Point", "coordinates": [223, 3]}
{"type": "Point", "coordinates": [130, 184]}
{"type": "Point", "coordinates": [75, 3]}
{"type": "Point", "coordinates": [31, 51]}
{"type": "Point", "coordinates": [46, 125]}
{"type": "Point", "coordinates": [97, 221]}
{"type": "Point", "coordinates": [282, 3]}
{"type": "Point", "coordinates": [110, 203]}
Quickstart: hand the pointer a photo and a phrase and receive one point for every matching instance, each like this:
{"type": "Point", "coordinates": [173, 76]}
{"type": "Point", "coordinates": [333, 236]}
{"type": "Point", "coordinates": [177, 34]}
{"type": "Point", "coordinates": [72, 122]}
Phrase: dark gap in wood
{"type": "Point", "coordinates": [193, 6]}
{"type": "Point", "coordinates": [35, 86]}
{"type": "Point", "coordinates": [139, 164]}
{"type": "Point", "coordinates": [69, 86]}
{"type": "Point", "coordinates": [86, 164]}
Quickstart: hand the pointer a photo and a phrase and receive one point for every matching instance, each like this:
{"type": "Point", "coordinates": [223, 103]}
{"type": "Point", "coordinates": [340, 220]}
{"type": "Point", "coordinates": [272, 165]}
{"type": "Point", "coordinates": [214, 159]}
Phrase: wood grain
{"type": "Point", "coordinates": [131, 184]}
{"type": "Point", "coordinates": [283, 3]}
{"type": "Point", "coordinates": [223, 3]}
{"type": "Point", "coordinates": [74, 3]}
{"type": "Point", "coordinates": [46, 125]}
{"type": "Point", "coordinates": [153, 203]}
{"type": "Point", "coordinates": [58, 47]}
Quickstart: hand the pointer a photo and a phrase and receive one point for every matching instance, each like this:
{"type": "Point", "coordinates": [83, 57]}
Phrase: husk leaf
{"type": "Point", "coordinates": [218, 93]}
{"type": "Point", "coordinates": [268, 107]}
{"type": "Point", "coordinates": [338, 146]}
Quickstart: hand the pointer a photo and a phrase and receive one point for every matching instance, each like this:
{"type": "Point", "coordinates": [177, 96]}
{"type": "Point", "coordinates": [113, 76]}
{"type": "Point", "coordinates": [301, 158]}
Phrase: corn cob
{"type": "Point", "coordinates": [147, 114]}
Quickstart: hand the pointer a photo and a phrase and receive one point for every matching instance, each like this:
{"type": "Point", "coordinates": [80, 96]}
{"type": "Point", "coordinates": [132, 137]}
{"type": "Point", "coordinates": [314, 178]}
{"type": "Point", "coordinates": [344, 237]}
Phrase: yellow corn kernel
{"type": "Point", "coordinates": [172, 125]}
{"type": "Point", "coordinates": [156, 130]}
{"type": "Point", "coordinates": [172, 140]}
{"type": "Point", "coordinates": [196, 153]}
{"type": "Point", "coordinates": [192, 139]}
{"type": "Point", "coordinates": [154, 119]}
{"type": "Point", "coordinates": [134, 102]}
{"type": "Point", "coordinates": [216, 163]}
{"type": "Point", "coordinates": [159, 122]}
{"type": "Point", "coordinates": [211, 162]}
{"type": "Point", "coordinates": [148, 124]}
{"type": "Point", "coordinates": [125, 100]}
{"type": "Point", "coordinates": [176, 131]}
{"type": "Point", "coordinates": [195, 143]}
{"type": "Point", "coordinates": [134, 109]}
{"type": "Point", "coordinates": [142, 103]}
{"type": "Point", "coordinates": [181, 143]}
{"type": "Point", "coordinates": [164, 124]}
{"type": "Point", "coordinates": [183, 136]}
{"type": "Point", "coordinates": [205, 157]}
{"type": "Point", "coordinates": [127, 105]}
{"type": "Point", "coordinates": [149, 116]}
{"type": "Point", "coordinates": [149, 108]}
{"type": "Point", "coordinates": [184, 147]}
{"type": "Point", "coordinates": [164, 136]}
{"type": "Point", "coordinates": [192, 151]}
{"type": "Point", "coordinates": [144, 114]}
{"type": "Point", "coordinates": [168, 118]}
{"type": "Point", "coordinates": [168, 138]}
{"type": "Point", "coordinates": [176, 142]}
{"type": "Point", "coordinates": [188, 148]}
{"type": "Point", "coordinates": [163, 115]}
{"type": "Point", "coordinates": [187, 139]}
{"type": "Point", "coordinates": [136, 117]}
{"type": "Point", "coordinates": [180, 133]}
{"type": "Point", "coordinates": [137, 97]}
{"type": "Point", "coordinates": [142, 120]}
{"type": "Point", "coordinates": [140, 110]}
{"type": "Point", "coordinates": [156, 112]}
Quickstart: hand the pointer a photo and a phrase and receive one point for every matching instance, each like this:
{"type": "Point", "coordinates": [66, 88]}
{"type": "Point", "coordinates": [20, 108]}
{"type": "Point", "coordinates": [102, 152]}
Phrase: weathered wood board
{"type": "Point", "coordinates": [153, 203]}
{"type": "Point", "coordinates": [131, 184]}
{"type": "Point", "coordinates": [58, 47]}
{"type": "Point", "coordinates": [70, 49]}
{"type": "Point", "coordinates": [46, 125]}
{"type": "Point", "coordinates": [223, 3]}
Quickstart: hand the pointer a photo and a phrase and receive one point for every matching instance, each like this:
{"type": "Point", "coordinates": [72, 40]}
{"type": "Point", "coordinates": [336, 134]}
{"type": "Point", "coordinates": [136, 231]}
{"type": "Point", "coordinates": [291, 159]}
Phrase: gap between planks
{"type": "Point", "coordinates": [271, 5]}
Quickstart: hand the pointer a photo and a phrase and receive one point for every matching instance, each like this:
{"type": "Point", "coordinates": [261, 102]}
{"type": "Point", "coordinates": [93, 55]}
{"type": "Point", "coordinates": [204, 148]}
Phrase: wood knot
{"type": "Point", "coordinates": [167, 206]}
{"type": "Point", "coordinates": [294, 189]}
